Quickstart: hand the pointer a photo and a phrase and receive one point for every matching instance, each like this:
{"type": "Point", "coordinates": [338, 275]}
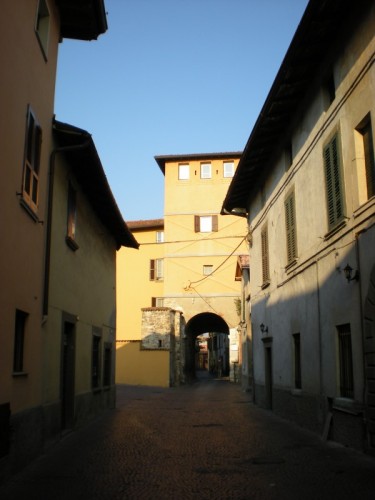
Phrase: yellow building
{"type": "Point", "coordinates": [192, 271]}
{"type": "Point", "coordinates": [30, 32]}
{"type": "Point", "coordinates": [140, 285]}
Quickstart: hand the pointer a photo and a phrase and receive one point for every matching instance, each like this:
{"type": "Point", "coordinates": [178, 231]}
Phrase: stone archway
{"type": "Point", "coordinates": [197, 325]}
{"type": "Point", "coordinates": [369, 359]}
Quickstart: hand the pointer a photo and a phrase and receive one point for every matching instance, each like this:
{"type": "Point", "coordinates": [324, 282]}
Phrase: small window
{"type": "Point", "coordinates": [205, 223]}
{"type": "Point", "coordinates": [265, 256]}
{"type": "Point", "coordinates": [288, 155]}
{"type": "Point", "coordinates": [156, 269]}
{"type": "Point", "coordinates": [159, 236]}
{"type": "Point", "coordinates": [96, 360]}
{"type": "Point", "coordinates": [297, 360]}
{"type": "Point", "coordinates": [42, 25]}
{"type": "Point", "coordinates": [19, 341]}
{"type": "Point", "coordinates": [71, 218]}
{"type": "Point", "coordinates": [157, 302]}
{"type": "Point", "coordinates": [107, 364]}
{"type": "Point", "coordinates": [30, 184]}
{"type": "Point", "coordinates": [334, 183]}
{"type": "Point", "coordinates": [205, 170]}
{"type": "Point", "coordinates": [207, 270]}
{"type": "Point", "coordinates": [345, 361]}
{"type": "Point", "coordinates": [365, 159]}
{"type": "Point", "coordinates": [291, 229]}
{"type": "Point", "coordinates": [228, 167]}
{"type": "Point", "coordinates": [329, 89]}
{"type": "Point", "coordinates": [183, 171]}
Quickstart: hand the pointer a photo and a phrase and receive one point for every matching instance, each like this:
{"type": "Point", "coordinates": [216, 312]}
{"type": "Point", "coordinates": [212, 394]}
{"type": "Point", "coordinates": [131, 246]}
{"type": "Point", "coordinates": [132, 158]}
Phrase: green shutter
{"type": "Point", "coordinates": [291, 230]}
{"type": "Point", "coordinates": [335, 198]}
{"type": "Point", "coordinates": [369, 159]}
{"type": "Point", "coordinates": [265, 256]}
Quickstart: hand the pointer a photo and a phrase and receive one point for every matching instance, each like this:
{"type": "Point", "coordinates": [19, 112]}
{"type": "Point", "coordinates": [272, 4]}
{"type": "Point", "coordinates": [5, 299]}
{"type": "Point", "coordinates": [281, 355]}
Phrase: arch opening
{"type": "Point", "coordinates": [210, 331]}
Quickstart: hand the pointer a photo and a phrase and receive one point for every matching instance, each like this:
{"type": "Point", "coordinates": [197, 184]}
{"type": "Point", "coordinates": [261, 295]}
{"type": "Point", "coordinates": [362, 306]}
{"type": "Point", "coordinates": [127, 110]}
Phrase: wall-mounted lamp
{"type": "Point", "coordinates": [348, 273]}
{"type": "Point", "coordinates": [263, 328]}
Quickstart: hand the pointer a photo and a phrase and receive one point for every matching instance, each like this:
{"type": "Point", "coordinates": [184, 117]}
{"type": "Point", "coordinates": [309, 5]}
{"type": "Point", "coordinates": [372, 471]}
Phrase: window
{"type": "Point", "coordinates": [205, 170]}
{"type": "Point", "coordinates": [297, 360]}
{"type": "Point", "coordinates": [96, 360]}
{"type": "Point", "coordinates": [159, 236]}
{"type": "Point", "coordinates": [205, 223]}
{"type": "Point", "coordinates": [329, 90]}
{"type": "Point", "coordinates": [183, 171]}
{"type": "Point", "coordinates": [156, 269]}
{"type": "Point", "coordinates": [334, 186]}
{"type": "Point", "coordinates": [345, 361]}
{"type": "Point", "coordinates": [207, 270]}
{"type": "Point", "coordinates": [42, 26]}
{"type": "Point", "coordinates": [365, 152]}
{"type": "Point", "coordinates": [107, 365]}
{"type": "Point", "coordinates": [19, 340]}
{"type": "Point", "coordinates": [157, 302]}
{"type": "Point", "coordinates": [288, 155]}
{"type": "Point", "coordinates": [290, 223]}
{"type": "Point", "coordinates": [30, 183]}
{"type": "Point", "coordinates": [265, 256]}
{"type": "Point", "coordinates": [71, 218]}
{"type": "Point", "coordinates": [228, 167]}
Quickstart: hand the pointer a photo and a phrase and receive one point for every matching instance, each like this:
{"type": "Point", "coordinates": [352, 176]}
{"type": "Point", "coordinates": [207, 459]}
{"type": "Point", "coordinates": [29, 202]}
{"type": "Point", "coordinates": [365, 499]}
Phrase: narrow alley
{"type": "Point", "coordinates": [202, 441]}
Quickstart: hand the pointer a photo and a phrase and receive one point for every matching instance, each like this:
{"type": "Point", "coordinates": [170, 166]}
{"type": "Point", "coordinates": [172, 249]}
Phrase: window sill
{"type": "Point", "coordinates": [296, 392]}
{"type": "Point", "coordinates": [29, 210]}
{"type": "Point", "coordinates": [20, 374]}
{"type": "Point", "coordinates": [291, 264]}
{"type": "Point", "coordinates": [265, 284]}
{"type": "Point", "coordinates": [71, 243]}
{"type": "Point", "coordinates": [347, 405]}
{"type": "Point", "coordinates": [335, 230]}
{"type": "Point", "coordinates": [96, 390]}
{"type": "Point", "coordinates": [370, 203]}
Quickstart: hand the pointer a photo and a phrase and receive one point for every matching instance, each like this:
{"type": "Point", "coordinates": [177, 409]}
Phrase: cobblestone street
{"type": "Point", "coordinates": [204, 441]}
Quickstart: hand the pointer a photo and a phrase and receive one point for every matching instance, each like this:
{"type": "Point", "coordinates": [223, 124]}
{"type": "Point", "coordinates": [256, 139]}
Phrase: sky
{"type": "Point", "coordinates": [171, 77]}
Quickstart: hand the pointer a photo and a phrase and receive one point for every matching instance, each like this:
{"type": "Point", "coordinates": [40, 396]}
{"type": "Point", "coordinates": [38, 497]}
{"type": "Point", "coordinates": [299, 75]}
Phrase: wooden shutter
{"type": "Point", "coordinates": [290, 222]}
{"type": "Point", "coordinates": [153, 301]}
{"type": "Point", "coordinates": [152, 269]}
{"type": "Point", "coordinates": [335, 200]}
{"type": "Point", "coordinates": [265, 255]}
{"type": "Point", "coordinates": [215, 223]}
{"type": "Point", "coordinates": [368, 150]}
{"type": "Point", "coordinates": [196, 223]}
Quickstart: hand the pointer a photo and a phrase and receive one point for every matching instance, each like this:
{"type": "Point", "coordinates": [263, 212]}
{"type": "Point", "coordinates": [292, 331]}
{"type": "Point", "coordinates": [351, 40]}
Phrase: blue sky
{"type": "Point", "coordinates": [171, 77]}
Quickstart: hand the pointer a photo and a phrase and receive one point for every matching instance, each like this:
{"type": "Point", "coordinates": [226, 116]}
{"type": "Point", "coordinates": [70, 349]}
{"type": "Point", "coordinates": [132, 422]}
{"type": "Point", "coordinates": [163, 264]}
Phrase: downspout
{"type": "Point", "coordinates": [62, 149]}
{"type": "Point", "coordinates": [357, 253]}
{"type": "Point", "coordinates": [320, 336]}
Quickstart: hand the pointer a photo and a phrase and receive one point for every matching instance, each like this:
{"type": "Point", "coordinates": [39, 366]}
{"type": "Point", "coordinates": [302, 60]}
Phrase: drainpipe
{"type": "Point", "coordinates": [62, 149]}
{"type": "Point", "coordinates": [320, 336]}
{"type": "Point", "coordinates": [362, 321]}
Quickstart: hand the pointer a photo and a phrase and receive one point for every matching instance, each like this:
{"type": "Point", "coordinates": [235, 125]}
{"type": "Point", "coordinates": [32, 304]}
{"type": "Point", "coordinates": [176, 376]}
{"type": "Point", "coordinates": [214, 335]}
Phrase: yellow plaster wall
{"type": "Point", "coordinates": [137, 367]}
{"type": "Point", "coordinates": [133, 284]}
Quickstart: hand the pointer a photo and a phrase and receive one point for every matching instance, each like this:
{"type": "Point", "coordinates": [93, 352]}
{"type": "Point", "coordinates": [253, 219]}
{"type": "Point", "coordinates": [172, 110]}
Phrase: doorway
{"type": "Point", "coordinates": [268, 375]}
{"type": "Point", "coordinates": [67, 375]}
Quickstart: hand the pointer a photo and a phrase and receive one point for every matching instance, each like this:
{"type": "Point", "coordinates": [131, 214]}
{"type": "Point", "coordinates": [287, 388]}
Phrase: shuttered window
{"type": "Point", "coordinates": [265, 256]}
{"type": "Point", "coordinates": [30, 187]}
{"type": "Point", "coordinates": [345, 361]}
{"type": "Point", "coordinates": [156, 269]}
{"type": "Point", "coordinates": [291, 230]}
{"type": "Point", "coordinates": [297, 360]}
{"type": "Point", "coordinates": [368, 150]}
{"type": "Point", "coordinates": [205, 223]}
{"type": "Point", "coordinates": [334, 184]}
